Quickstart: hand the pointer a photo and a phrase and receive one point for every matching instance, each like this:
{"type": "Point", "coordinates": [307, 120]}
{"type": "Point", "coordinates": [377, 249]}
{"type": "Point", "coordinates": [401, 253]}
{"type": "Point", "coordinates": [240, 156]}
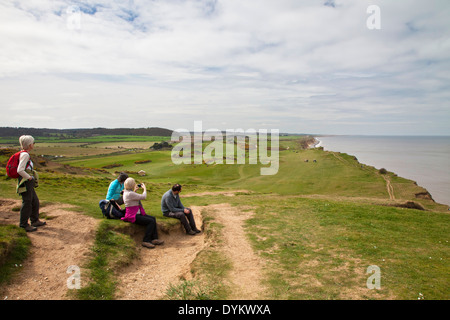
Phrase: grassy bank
{"type": "Point", "coordinates": [14, 248]}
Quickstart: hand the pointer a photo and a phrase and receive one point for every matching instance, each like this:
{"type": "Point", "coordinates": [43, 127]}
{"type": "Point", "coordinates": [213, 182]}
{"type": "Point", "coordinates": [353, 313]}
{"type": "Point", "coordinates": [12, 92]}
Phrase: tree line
{"type": "Point", "coordinates": [82, 133]}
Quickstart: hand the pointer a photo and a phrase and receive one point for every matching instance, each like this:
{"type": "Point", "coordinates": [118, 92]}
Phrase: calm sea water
{"type": "Point", "coordinates": [425, 160]}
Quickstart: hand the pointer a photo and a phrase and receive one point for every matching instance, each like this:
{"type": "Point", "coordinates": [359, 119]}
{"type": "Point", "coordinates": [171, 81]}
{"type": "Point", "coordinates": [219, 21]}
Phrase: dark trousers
{"type": "Point", "coordinates": [187, 220]}
{"type": "Point", "coordinates": [30, 205]}
{"type": "Point", "coordinates": [151, 233]}
{"type": "Point", "coordinates": [120, 201]}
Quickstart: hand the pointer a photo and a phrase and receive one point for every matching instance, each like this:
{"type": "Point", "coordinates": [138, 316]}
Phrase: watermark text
{"type": "Point", "coordinates": [238, 143]}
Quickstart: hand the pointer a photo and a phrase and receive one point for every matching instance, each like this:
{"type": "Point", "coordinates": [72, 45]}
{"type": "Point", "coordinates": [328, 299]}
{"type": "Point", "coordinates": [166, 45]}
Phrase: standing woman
{"type": "Point", "coordinates": [27, 181]}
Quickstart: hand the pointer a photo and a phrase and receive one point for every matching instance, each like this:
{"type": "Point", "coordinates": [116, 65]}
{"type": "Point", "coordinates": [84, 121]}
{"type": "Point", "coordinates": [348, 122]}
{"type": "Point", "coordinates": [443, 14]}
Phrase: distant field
{"type": "Point", "coordinates": [97, 139]}
{"type": "Point", "coordinates": [328, 175]}
{"type": "Point", "coordinates": [92, 146]}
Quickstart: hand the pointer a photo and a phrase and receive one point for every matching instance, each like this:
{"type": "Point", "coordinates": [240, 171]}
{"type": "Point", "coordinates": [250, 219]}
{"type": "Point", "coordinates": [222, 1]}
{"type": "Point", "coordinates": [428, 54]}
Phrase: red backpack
{"type": "Point", "coordinates": [13, 164]}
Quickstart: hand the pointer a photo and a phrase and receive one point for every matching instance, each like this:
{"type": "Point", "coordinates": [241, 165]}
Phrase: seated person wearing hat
{"type": "Point", "coordinates": [115, 189]}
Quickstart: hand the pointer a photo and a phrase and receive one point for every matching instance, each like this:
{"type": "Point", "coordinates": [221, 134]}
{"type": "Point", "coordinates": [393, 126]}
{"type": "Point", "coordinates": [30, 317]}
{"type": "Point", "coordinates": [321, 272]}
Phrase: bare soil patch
{"type": "Point", "coordinates": [68, 236]}
{"type": "Point", "coordinates": [246, 275]}
{"type": "Point", "coordinates": [64, 241]}
{"type": "Point", "coordinates": [149, 276]}
{"type": "Point", "coordinates": [212, 193]}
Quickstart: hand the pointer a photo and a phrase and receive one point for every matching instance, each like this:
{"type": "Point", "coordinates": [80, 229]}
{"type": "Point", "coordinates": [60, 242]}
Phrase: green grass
{"type": "Point", "coordinates": [14, 247]}
{"type": "Point", "coordinates": [326, 176]}
{"type": "Point", "coordinates": [113, 249]}
{"type": "Point", "coordinates": [318, 225]}
{"type": "Point", "coordinates": [321, 249]}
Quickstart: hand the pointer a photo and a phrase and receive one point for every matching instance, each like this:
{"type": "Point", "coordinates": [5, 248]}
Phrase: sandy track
{"type": "Point", "coordinates": [68, 237]}
{"type": "Point", "coordinates": [65, 240]}
{"type": "Point", "coordinates": [149, 276]}
{"type": "Point", "coordinates": [246, 273]}
{"type": "Point", "coordinates": [389, 187]}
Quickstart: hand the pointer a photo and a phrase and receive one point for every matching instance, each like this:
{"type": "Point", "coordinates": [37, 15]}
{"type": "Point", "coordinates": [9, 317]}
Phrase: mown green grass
{"type": "Point", "coordinates": [329, 175]}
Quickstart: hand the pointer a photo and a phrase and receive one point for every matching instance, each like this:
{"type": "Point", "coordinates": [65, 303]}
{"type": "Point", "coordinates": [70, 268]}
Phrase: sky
{"type": "Point", "coordinates": [311, 66]}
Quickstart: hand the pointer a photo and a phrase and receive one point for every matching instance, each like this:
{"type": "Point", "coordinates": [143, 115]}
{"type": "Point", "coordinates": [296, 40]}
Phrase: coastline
{"type": "Point", "coordinates": [429, 195]}
{"type": "Point", "coordinates": [315, 144]}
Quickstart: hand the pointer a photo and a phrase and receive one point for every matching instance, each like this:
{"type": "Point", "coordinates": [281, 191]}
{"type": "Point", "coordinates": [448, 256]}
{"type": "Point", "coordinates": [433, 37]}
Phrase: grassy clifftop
{"type": "Point", "coordinates": [318, 224]}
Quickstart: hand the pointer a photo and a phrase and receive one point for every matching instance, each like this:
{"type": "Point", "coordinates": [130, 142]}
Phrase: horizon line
{"type": "Point", "coordinates": [219, 130]}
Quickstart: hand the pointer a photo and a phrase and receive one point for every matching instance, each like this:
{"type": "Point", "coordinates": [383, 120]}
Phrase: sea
{"type": "Point", "coordinates": [424, 159]}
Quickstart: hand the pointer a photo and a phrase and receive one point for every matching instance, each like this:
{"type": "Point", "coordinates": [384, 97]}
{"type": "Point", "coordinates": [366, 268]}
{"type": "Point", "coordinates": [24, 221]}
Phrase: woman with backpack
{"type": "Point", "coordinates": [115, 189]}
{"type": "Point", "coordinates": [27, 181]}
{"type": "Point", "coordinates": [135, 213]}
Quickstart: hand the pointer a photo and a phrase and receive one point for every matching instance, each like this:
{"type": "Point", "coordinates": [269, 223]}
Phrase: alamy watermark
{"type": "Point", "coordinates": [73, 12]}
{"type": "Point", "coordinates": [374, 20]}
{"type": "Point", "coordinates": [258, 145]}
{"type": "Point", "coordinates": [374, 281]}
{"type": "Point", "coordinates": [74, 281]}
{"type": "Point", "coordinates": [73, 17]}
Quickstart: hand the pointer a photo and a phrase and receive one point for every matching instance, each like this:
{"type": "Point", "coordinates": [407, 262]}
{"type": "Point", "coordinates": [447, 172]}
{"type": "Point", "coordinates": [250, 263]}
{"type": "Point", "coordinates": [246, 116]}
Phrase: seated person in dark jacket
{"type": "Point", "coordinates": [172, 207]}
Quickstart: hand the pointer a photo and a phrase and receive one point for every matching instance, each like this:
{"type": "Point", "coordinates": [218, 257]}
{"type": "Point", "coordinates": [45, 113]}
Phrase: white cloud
{"type": "Point", "coordinates": [295, 64]}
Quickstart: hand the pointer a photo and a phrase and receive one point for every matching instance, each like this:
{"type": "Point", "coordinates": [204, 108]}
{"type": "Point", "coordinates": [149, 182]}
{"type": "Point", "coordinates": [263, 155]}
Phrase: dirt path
{"type": "Point", "coordinates": [68, 237]}
{"type": "Point", "coordinates": [247, 269]}
{"type": "Point", "coordinates": [212, 193]}
{"type": "Point", "coordinates": [65, 240]}
{"type": "Point", "coordinates": [149, 276]}
{"type": "Point", "coordinates": [389, 187]}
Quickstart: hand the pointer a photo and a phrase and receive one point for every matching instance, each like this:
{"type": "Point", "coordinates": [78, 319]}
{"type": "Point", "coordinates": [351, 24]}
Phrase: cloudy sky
{"type": "Point", "coordinates": [311, 66]}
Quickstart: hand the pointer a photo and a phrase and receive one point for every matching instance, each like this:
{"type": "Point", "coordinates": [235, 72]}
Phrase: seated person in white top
{"type": "Point", "coordinates": [135, 213]}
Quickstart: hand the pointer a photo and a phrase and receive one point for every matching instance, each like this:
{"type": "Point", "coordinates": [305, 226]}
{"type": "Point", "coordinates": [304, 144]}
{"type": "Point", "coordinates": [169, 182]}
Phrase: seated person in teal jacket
{"type": "Point", "coordinates": [115, 189]}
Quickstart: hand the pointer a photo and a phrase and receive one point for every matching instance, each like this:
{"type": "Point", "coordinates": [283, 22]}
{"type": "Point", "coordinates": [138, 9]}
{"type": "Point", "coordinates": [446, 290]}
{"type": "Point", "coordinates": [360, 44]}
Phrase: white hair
{"type": "Point", "coordinates": [26, 141]}
{"type": "Point", "coordinates": [129, 184]}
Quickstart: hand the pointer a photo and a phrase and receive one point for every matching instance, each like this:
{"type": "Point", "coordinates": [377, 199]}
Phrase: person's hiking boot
{"type": "Point", "coordinates": [39, 223]}
{"type": "Point", "coordinates": [197, 231]}
{"type": "Point", "coordinates": [191, 232]}
{"type": "Point", "coordinates": [29, 228]}
{"type": "Point", "coordinates": [157, 242]}
{"type": "Point", "coordinates": [148, 245]}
